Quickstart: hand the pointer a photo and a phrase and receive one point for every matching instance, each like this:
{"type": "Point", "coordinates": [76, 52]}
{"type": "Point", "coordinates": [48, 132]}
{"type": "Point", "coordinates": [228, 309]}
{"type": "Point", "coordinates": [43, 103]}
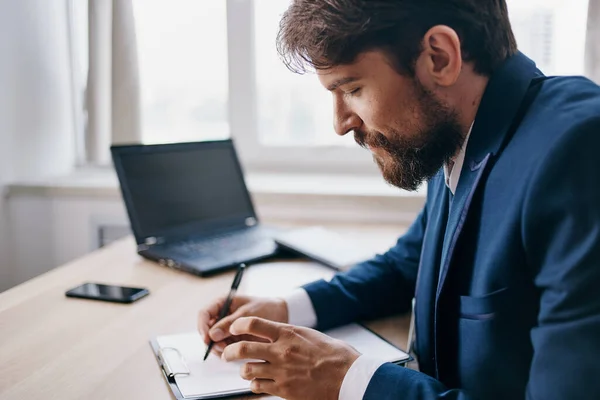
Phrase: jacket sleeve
{"type": "Point", "coordinates": [382, 286]}
{"type": "Point", "coordinates": [561, 237]}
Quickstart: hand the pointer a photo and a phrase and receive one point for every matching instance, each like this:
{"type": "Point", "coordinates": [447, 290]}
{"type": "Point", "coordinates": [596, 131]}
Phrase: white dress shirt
{"type": "Point", "coordinates": [453, 169]}
{"type": "Point", "coordinates": [302, 313]}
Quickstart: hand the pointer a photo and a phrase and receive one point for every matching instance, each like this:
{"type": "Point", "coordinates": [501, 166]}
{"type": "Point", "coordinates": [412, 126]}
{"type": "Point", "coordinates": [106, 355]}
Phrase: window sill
{"type": "Point", "coordinates": [318, 197]}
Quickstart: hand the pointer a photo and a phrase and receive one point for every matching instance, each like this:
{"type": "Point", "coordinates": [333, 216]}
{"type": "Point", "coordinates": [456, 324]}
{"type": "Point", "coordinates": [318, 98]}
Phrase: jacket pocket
{"type": "Point", "coordinates": [482, 346]}
{"type": "Point", "coordinates": [482, 308]}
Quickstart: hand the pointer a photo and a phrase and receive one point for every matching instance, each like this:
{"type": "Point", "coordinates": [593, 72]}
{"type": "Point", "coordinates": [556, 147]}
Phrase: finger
{"type": "Point", "coordinates": [205, 333]}
{"type": "Point", "coordinates": [256, 327]}
{"type": "Point", "coordinates": [217, 351]}
{"type": "Point", "coordinates": [206, 315]}
{"type": "Point", "coordinates": [211, 313]}
{"type": "Point", "coordinates": [263, 386]}
{"type": "Point", "coordinates": [219, 347]}
{"type": "Point", "coordinates": [217, 354]}
{"type": "Point", "coordinates": [220, 330]}
{"type": "Point", "coordinates": [213, 310]}
{"type": "Point", "coordinates": [203, 323]}
{"type": "Point", "coordinates": [257, 370]}
{"type": "Point", "coordinates": [224, 343]}
{"type": "Point", "coordinates": [251, 338]}
{"type": "Point", "coordinates": [248, 351]}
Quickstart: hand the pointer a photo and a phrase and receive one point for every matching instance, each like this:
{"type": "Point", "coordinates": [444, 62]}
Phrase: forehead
{"type": "Point", "coordinates": [368, 64]}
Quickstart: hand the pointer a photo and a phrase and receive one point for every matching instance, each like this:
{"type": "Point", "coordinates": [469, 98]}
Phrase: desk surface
{"type": "Point", "coordinates": [54, 347]}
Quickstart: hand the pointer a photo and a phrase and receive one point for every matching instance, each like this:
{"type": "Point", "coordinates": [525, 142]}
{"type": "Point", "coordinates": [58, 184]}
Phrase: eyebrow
{"type": "Point", "coordinates": [343, 81]}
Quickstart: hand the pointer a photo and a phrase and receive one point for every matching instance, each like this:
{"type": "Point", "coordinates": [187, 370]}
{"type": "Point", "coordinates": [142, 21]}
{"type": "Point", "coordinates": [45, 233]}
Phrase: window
{"type": "Point", "coordinates": [292, 109]}
{"type": "Point", "coordinates": [182, 47]}
{"type": "Point", "coordinates": [293, 124]}
{"type": "Point", "coordinates": [78, 51]}
{"type": "Point", "coordinates": [201, 80]}
{"type": "Point", "coordinates": [295, 112]}
{"type": "Point", "coordinates": [209, 69]}
{"type": "Point", "coordinates": [552, 33]}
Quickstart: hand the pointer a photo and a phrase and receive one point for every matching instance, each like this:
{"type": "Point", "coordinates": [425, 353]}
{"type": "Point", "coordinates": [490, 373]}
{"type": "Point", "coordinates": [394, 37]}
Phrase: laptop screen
{"type": "Point", "coordinates": [182, 189]}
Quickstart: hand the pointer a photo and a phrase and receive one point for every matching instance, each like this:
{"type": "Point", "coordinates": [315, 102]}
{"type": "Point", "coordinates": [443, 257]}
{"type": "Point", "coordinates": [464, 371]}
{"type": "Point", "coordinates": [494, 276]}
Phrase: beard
{"type": "Point", "coordinates": [416, 157]}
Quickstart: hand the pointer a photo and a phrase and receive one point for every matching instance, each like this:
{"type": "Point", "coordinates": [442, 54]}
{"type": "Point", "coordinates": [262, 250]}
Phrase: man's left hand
{"type": "Point", "coordinates": [297, 363]}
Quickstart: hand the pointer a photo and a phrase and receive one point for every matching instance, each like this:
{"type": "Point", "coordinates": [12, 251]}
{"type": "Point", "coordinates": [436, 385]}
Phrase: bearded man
{"type": "Point", "coordinates": [504, 258]}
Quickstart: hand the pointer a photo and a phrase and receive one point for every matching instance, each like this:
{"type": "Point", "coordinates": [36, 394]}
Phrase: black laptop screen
{"type": "Point", "coordinates": [184, 187]}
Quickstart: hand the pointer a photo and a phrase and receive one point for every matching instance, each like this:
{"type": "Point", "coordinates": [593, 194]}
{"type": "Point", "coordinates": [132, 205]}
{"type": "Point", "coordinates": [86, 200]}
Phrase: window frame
{"type": "Point", "coordinates": [243, 112]}
{"type": "Point", "coordinates": [78, 83]}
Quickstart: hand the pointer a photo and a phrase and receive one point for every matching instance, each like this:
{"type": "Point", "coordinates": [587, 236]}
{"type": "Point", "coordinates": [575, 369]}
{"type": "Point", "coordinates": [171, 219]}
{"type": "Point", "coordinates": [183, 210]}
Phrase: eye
{"type": "Point", "coordinates": [353, 92]}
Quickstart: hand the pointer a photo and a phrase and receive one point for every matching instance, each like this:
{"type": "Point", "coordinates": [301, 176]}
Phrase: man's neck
{"type": "Point", "coordinates": [470, 92]}
{"type": "Point", "coordinates": [473, 100]}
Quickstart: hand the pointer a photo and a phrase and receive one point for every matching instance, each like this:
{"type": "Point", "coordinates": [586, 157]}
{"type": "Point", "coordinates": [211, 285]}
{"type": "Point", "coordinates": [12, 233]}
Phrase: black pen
{"type": "Point", "coordinates": [225, 309]}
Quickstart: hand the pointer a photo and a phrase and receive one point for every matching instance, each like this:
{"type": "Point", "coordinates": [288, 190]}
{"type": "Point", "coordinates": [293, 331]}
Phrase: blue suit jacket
{"type": "Point", "coordinates": [506, 274]}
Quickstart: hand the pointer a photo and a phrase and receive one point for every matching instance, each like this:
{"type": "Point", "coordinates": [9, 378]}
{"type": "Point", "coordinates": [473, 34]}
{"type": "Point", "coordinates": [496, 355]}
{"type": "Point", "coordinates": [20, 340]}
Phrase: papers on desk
{"type": "Point", "coordinates": [180, 357]}
{"type": "Point", "coordinates": [205, 377]}
{"type": "Point", "coordinates": [324, 246]}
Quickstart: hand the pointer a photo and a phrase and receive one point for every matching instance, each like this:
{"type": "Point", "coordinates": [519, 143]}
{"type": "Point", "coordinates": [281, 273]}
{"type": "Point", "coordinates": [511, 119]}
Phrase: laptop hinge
{"type": "Point", "coordinates": [149, 242]}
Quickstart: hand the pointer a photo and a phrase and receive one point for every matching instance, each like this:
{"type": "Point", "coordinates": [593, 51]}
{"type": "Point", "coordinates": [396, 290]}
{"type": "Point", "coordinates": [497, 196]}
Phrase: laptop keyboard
{"type": "Point", "coordinates": [222, 244]}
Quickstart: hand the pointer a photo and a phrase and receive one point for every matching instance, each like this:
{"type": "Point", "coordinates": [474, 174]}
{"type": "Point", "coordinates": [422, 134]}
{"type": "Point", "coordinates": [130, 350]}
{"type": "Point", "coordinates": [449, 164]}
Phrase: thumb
{"type": "Point", "coordinates": [220, 330]}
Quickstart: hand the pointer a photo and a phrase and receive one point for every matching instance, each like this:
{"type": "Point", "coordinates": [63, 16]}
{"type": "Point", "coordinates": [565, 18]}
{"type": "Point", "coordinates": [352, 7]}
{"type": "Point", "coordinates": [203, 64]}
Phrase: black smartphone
{"type": "Point", "coordinates": [115, 294]}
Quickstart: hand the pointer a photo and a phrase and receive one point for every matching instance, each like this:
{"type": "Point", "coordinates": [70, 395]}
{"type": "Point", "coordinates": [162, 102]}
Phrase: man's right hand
{"type": "Point", "coordinates": [242, 306]}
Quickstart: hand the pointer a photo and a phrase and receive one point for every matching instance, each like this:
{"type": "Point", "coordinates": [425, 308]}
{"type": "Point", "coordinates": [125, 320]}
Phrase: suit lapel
{"type": "Point", "coordinates": [499, 106]}
{"type": "Point", "coordinates": [459, 210]}
{"type": "Point", "coordinates": [428, 269]}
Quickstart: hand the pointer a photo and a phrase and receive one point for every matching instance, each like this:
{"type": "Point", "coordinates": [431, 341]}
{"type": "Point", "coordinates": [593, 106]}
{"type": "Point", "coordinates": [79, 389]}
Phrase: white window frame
{"type": "Point", "coordinates": [242, 109]}
{"type": "Point", "coordinates": [78, 86]}
{"type": "Point", "coordinates": [243, 113]}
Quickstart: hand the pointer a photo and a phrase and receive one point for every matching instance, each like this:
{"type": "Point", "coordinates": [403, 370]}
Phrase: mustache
{"type": "Point", "coordinates": [373, 140]}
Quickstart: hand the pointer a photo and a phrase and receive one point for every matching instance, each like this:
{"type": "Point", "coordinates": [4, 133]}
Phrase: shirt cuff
{"type": "Point", "coordinates": [358, 377]}
{"type": "Point", "coordinates": [300, 309]}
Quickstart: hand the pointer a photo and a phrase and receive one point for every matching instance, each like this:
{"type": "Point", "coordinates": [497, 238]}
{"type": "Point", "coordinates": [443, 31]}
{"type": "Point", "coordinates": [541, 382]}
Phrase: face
{"type": "Point", "coordinates": [409, 130]}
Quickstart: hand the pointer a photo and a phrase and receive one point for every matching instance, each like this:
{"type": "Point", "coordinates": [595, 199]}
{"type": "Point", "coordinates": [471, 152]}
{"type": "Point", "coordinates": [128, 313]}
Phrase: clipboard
{"type": "Point", "coordinates": [166, 355]}
{"type": "Point", "coordinates": [169, 375]}
{"type": "Point", "coordinates": [166, 370]}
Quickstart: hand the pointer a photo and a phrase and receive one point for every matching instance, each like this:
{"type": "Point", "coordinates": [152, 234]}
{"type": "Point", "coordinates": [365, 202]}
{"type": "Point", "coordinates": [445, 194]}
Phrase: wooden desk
{"type": "Point", "coordinates": [54, 347]}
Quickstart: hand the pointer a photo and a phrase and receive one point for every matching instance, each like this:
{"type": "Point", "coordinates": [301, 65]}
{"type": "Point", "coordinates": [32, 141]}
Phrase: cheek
{"type": "Point", "coordinates": [375, 115]}
{"type": "Point", "coordinates": [403, 118]}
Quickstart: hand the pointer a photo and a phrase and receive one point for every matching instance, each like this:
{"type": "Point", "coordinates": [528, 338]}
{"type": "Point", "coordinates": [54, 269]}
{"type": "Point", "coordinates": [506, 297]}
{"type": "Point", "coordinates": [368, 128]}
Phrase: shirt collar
{"type": "Point", "coordinates": [453, 169]}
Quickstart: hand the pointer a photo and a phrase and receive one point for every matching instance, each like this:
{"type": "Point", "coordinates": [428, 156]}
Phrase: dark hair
{"type": "Point", "coordinates": [324, 33]}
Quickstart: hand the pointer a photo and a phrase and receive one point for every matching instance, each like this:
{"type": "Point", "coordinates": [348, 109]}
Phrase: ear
{"type": "Point", "coordinates": [442, 55]}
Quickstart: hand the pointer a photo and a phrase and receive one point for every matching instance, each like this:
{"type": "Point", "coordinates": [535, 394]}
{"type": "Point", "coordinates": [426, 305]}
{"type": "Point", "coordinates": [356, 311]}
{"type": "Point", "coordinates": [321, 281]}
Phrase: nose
{"type": "Point", "coordinates": [344, 120]}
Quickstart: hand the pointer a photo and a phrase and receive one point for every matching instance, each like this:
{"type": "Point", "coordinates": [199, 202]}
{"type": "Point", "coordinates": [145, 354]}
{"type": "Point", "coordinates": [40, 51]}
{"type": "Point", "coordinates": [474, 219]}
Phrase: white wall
{"type": "Point", "coordinates": [6, 173]}
{"type": "Point", "coordinates": [49, 231]}
{"type": "Point", "coordinates": [36, 125]}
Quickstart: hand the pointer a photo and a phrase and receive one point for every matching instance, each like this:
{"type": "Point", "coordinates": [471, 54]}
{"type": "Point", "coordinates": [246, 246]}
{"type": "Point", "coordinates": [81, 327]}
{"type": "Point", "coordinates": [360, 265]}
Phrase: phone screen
{"type": "Point", "coordinates": [99, 291]}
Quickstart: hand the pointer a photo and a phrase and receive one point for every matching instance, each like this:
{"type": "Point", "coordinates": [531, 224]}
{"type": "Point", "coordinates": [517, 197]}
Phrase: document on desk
{"type": "Point", "coordinates": [190, 377]}
{"type": "Point", "coordinates": [337, 251]}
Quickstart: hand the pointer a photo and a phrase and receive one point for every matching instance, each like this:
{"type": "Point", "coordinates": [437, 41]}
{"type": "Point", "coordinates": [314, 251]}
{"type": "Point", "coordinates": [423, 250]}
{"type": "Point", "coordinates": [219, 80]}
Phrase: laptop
{"type": "Point", "coordinates": [189, 207]}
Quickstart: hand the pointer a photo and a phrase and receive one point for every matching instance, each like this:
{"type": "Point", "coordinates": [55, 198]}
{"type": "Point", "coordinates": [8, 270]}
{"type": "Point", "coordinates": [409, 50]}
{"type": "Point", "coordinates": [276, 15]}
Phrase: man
{"type": "Point", "coordinates": [504, 259]}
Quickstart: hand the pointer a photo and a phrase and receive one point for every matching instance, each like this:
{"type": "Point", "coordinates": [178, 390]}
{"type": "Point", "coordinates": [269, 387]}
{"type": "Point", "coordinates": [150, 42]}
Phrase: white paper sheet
{"type": "Point", "coordinates": [368, 343]}
{"type": "Point", "coordinates": [326, 246]}
{"type": "Point", "coordinates": [216, 376]}
{"type": "Point", "coordinates": [207, 377]}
